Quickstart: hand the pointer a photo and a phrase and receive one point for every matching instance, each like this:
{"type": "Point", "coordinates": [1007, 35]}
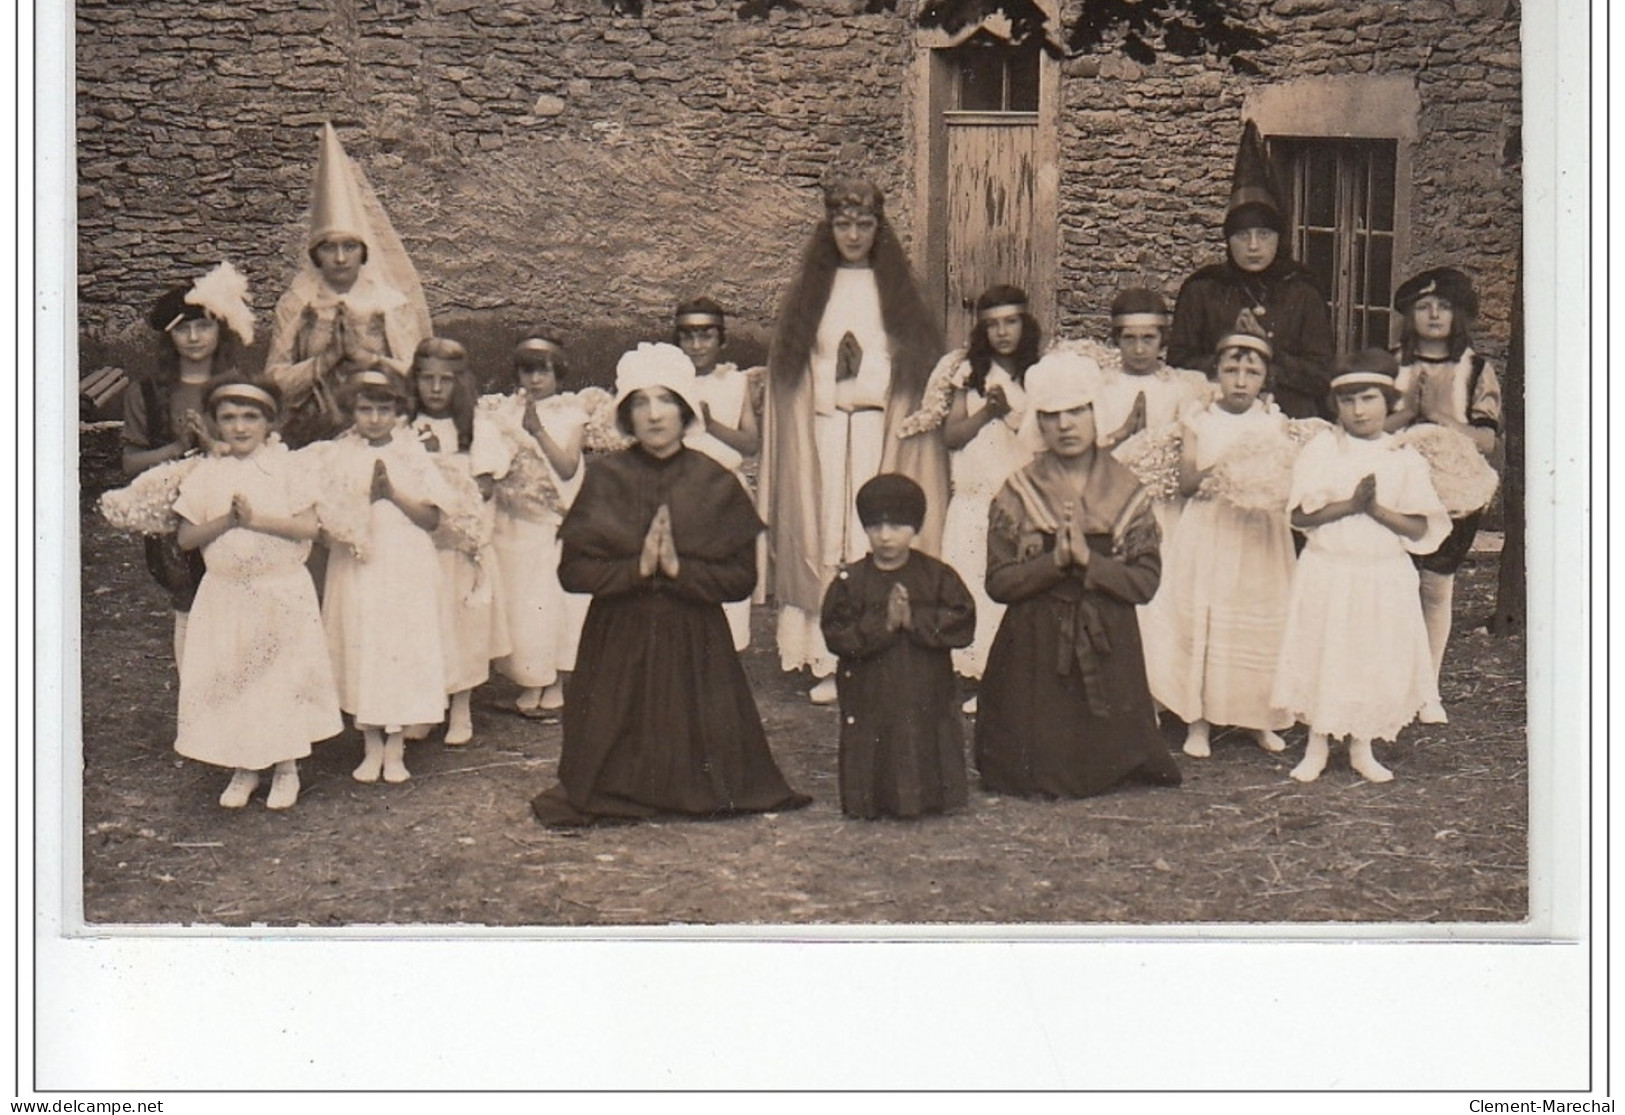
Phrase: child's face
{"type": "Point", "coordinates": [702, 344]}
{"type": "Point", "coordinates": [1241, 375]}
{"type": "Point", "coordinates": [196, 340]}
{"type": "Point", "coordinates": [539, 381]}
{"type": "Point", "coordinates": [243, 426]}
{"type": "Point", "coordinates": [436, 381]}
{"type": "Point", "coordinates": [374, 419]}
{"type": "Point", "coordinates": [1362, 412]}
{"type": "Point", "coordinates": [1141, 348]}
{"type": "Point", "coordinates": [1003, 325]}
{"type": "Point", "coordinates": [1432, 317]}
{"type": "Point", "coordinates": [1068, 433]}
{"type": "Point", "coordinates": [890, 543]}
{"type": "Point", "coordinates": [657, 421]}
{"type": "Point", "coordinates": [854, 236]}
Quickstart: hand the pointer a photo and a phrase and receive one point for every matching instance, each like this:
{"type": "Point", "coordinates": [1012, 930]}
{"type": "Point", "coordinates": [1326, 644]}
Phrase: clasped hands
{"type": "Point", "coordinates": [1133, 424]}
{"type": "Point", "coordinates": [659, 548]}
{"type": "Point", "coordinates": [382, 486]}
{"type": "Point", "coordinates": [347, 348]}
{"type": "Point", "coordinates": [899, 616]}
{"type": "Point", "coordinates": [1071, 548]}
{"type": "Point", "coordinates": [848, 358]}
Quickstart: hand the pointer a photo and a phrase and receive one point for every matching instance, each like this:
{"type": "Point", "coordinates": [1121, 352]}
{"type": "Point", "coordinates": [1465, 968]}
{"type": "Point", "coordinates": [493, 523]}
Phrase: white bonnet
{"type": "Point", "coordinates": [656, 365]}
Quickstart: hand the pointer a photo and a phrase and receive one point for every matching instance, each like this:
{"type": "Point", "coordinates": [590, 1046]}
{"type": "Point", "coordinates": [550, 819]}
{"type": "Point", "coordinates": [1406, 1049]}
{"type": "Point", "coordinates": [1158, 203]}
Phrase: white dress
{"type": "Point", "coordinates": [1213, 631]}
{"type": "Point", "coordinates": [544, 622]}
{"type": "Point", "coordinates": [978, 470]}
{"type": "Point", "coordinates": [382, 609]}
{"type": "Point", "coordinates": [849, 431]}
{"type": "Point", "coordinates": [725, 391]}
{"type": "Point", "coordinates": [1170, 393]}
{"type": "Point", "coordinates": [473, 620]}
{"type": "Point", "coordinates": [256, 683]}
{"type": "Point", "coordinates": [1354, 657]}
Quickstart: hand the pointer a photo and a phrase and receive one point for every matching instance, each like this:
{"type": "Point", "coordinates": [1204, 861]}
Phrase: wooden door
{"type": "Point", "coordinates": [993, 178]}
{"type": "Point", "coordinates": [991, 198]}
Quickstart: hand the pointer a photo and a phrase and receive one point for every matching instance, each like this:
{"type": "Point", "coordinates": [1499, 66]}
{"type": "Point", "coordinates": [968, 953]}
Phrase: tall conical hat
{"type": "Point", "coordinates": [342, 202]}
{"type": "Point", "coordinates": [336, 207]}
{"type": "Point", "coordinates": [1254, 197]}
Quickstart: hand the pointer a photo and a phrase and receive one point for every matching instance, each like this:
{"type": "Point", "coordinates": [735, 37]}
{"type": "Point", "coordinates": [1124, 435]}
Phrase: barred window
{"type": "Point", "coordinates": [1340, 209]}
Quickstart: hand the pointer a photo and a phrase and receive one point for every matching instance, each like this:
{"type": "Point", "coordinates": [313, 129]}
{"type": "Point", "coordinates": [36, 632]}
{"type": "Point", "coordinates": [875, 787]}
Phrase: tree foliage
{"type": "Point", "coordinates": [1136, 28]}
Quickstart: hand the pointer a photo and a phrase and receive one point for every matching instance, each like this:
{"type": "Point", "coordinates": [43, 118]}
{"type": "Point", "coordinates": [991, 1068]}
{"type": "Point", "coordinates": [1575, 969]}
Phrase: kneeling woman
{"type": "Point", "coordinates": [1072, 547]}
{"type": "Point", "coordinates": [659, 718]}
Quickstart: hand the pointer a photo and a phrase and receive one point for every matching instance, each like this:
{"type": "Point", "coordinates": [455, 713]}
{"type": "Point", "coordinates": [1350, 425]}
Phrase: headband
{"type": "Point", "coordinates": [1362, 379]}
{"type": "Point", "coordinates": [1246, 340]}
{"type": "Point", "coordinates": [1124, 321]}
{"type": "Point", "coordinates": [538, 345]}
{"type": "Point", "coordinates": [699, 317]}
{"type": "Point", "coordinates": [1008, 304]}
{"type": "Point", "coordinates": [372, 377]}
{"type": "Point", "coordinates": [245, 391]}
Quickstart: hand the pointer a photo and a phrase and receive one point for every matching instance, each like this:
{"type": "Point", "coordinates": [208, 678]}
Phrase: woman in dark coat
{"type": "Point", "coordinates": [1256, 275]}
{"type": "Point", "coordinates": [659, 717]}
{"type": "Point", "coordinates": [1072, 547]}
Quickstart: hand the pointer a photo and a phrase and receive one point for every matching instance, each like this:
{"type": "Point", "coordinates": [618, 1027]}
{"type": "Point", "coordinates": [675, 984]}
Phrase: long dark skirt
{"type": "Point", "coordinates": [1037, 732]}
{"type": "Point", "coordinates": [659, 719]}
{"type": "Point", "coordinates": [902, 739]}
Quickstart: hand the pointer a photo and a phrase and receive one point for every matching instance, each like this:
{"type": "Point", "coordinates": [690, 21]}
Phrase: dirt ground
{"type": "Point", "coordinates": [1446, 841]}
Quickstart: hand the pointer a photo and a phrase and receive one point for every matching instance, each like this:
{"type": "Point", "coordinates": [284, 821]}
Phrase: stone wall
{"type": "Point", "coordinates": [1147, 151]}
{"type": "Point", "coordinates": [546, 160]}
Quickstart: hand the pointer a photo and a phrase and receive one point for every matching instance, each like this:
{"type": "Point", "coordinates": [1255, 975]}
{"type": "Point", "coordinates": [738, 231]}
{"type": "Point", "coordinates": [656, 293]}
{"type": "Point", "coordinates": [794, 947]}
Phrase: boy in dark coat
{"type": "Point", "coordinates": [893, 619]}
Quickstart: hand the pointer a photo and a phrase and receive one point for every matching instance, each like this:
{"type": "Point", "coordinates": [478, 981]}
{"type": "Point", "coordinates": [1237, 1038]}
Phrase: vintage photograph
{"type": "Point", "coordinates": [604, 464]}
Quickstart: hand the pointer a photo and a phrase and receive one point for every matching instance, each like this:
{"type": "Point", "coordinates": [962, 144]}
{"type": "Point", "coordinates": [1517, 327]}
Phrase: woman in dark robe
{"type": "Point", "coordinates": [659, 718]}
{"type": "Point", "coordinates": [1258, 276]}
{"type": "Point", "coordinates": [1072, 547]}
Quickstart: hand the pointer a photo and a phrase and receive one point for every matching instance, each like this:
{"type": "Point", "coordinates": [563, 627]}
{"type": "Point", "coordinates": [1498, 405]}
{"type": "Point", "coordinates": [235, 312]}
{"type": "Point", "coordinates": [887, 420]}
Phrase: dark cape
{"type": "Point", "coordinates": [658, 716]}
{"type": "Point", "coordinates": [902, 740]}
{"type": "Point", "coordinates": [1064, 709]}
{"type": "Point", "coordinates": [1294, 313]}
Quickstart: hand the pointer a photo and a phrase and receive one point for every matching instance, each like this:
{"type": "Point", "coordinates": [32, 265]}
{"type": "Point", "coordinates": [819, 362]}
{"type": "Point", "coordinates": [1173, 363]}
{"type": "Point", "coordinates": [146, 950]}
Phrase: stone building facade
{"type": "Point", "coordinates": [557, 161]}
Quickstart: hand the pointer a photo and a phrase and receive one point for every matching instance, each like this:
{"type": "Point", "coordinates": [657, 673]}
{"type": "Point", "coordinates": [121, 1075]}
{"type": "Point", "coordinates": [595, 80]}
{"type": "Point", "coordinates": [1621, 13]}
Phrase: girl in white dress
{"type": "Point", "coordinates": [1213, 631]}
{"type": "Point", "coordinates": [1355, 659]}
{"type": "Point", "coordinates": [731, 433]}
{"type": "Point", "coordinates": [543, 431]}
{"type": "Point", "coordinates": [1142, 392]}
{"type": "Point", "coordinates": [381, 604]}
{"type": "Point", "coordinates": [473, 624]}
{"type": "Point", "coordinates": [987, 408]}
{"type": "Point", "coordinates": [257, 689]}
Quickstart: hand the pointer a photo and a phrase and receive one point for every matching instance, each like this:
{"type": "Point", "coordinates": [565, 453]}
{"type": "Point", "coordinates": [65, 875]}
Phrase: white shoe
{"type": "Point", "coordinates": [1433, 713]}
{"type": "Point", "coordinates": [395, 759]}
{"type": "Point", "coordinates": [418, 731]}
{"type": "Point", "coordinates": [372, 757]}
{"type": "Point", "coordinates": [1365, 764]}
{"type": "Point", "coordinates": [552, 697]}
{"type": "Point", "coordinates": [459, 732]}
{"type": "Point", "coordinates": [825, 692]}
{"type": "Point", "coordinates": [1270, 741]}
{"type": "Point", "coordinates": [284, 787]}
{"type": "Point", "coordinates": [969, 707]}
{"type": "Point", "coordinates": [243, 783]}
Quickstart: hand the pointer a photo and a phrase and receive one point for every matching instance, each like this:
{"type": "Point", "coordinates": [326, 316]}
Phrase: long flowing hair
{"type": "Point", "coordinates": [916, 341]}
{"type": "Point", "coordinates": [166, 366]}
{"type": "Point", "coordinates": [980, 352]}
{"type": "Point", "coordinates": [463, 391]}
